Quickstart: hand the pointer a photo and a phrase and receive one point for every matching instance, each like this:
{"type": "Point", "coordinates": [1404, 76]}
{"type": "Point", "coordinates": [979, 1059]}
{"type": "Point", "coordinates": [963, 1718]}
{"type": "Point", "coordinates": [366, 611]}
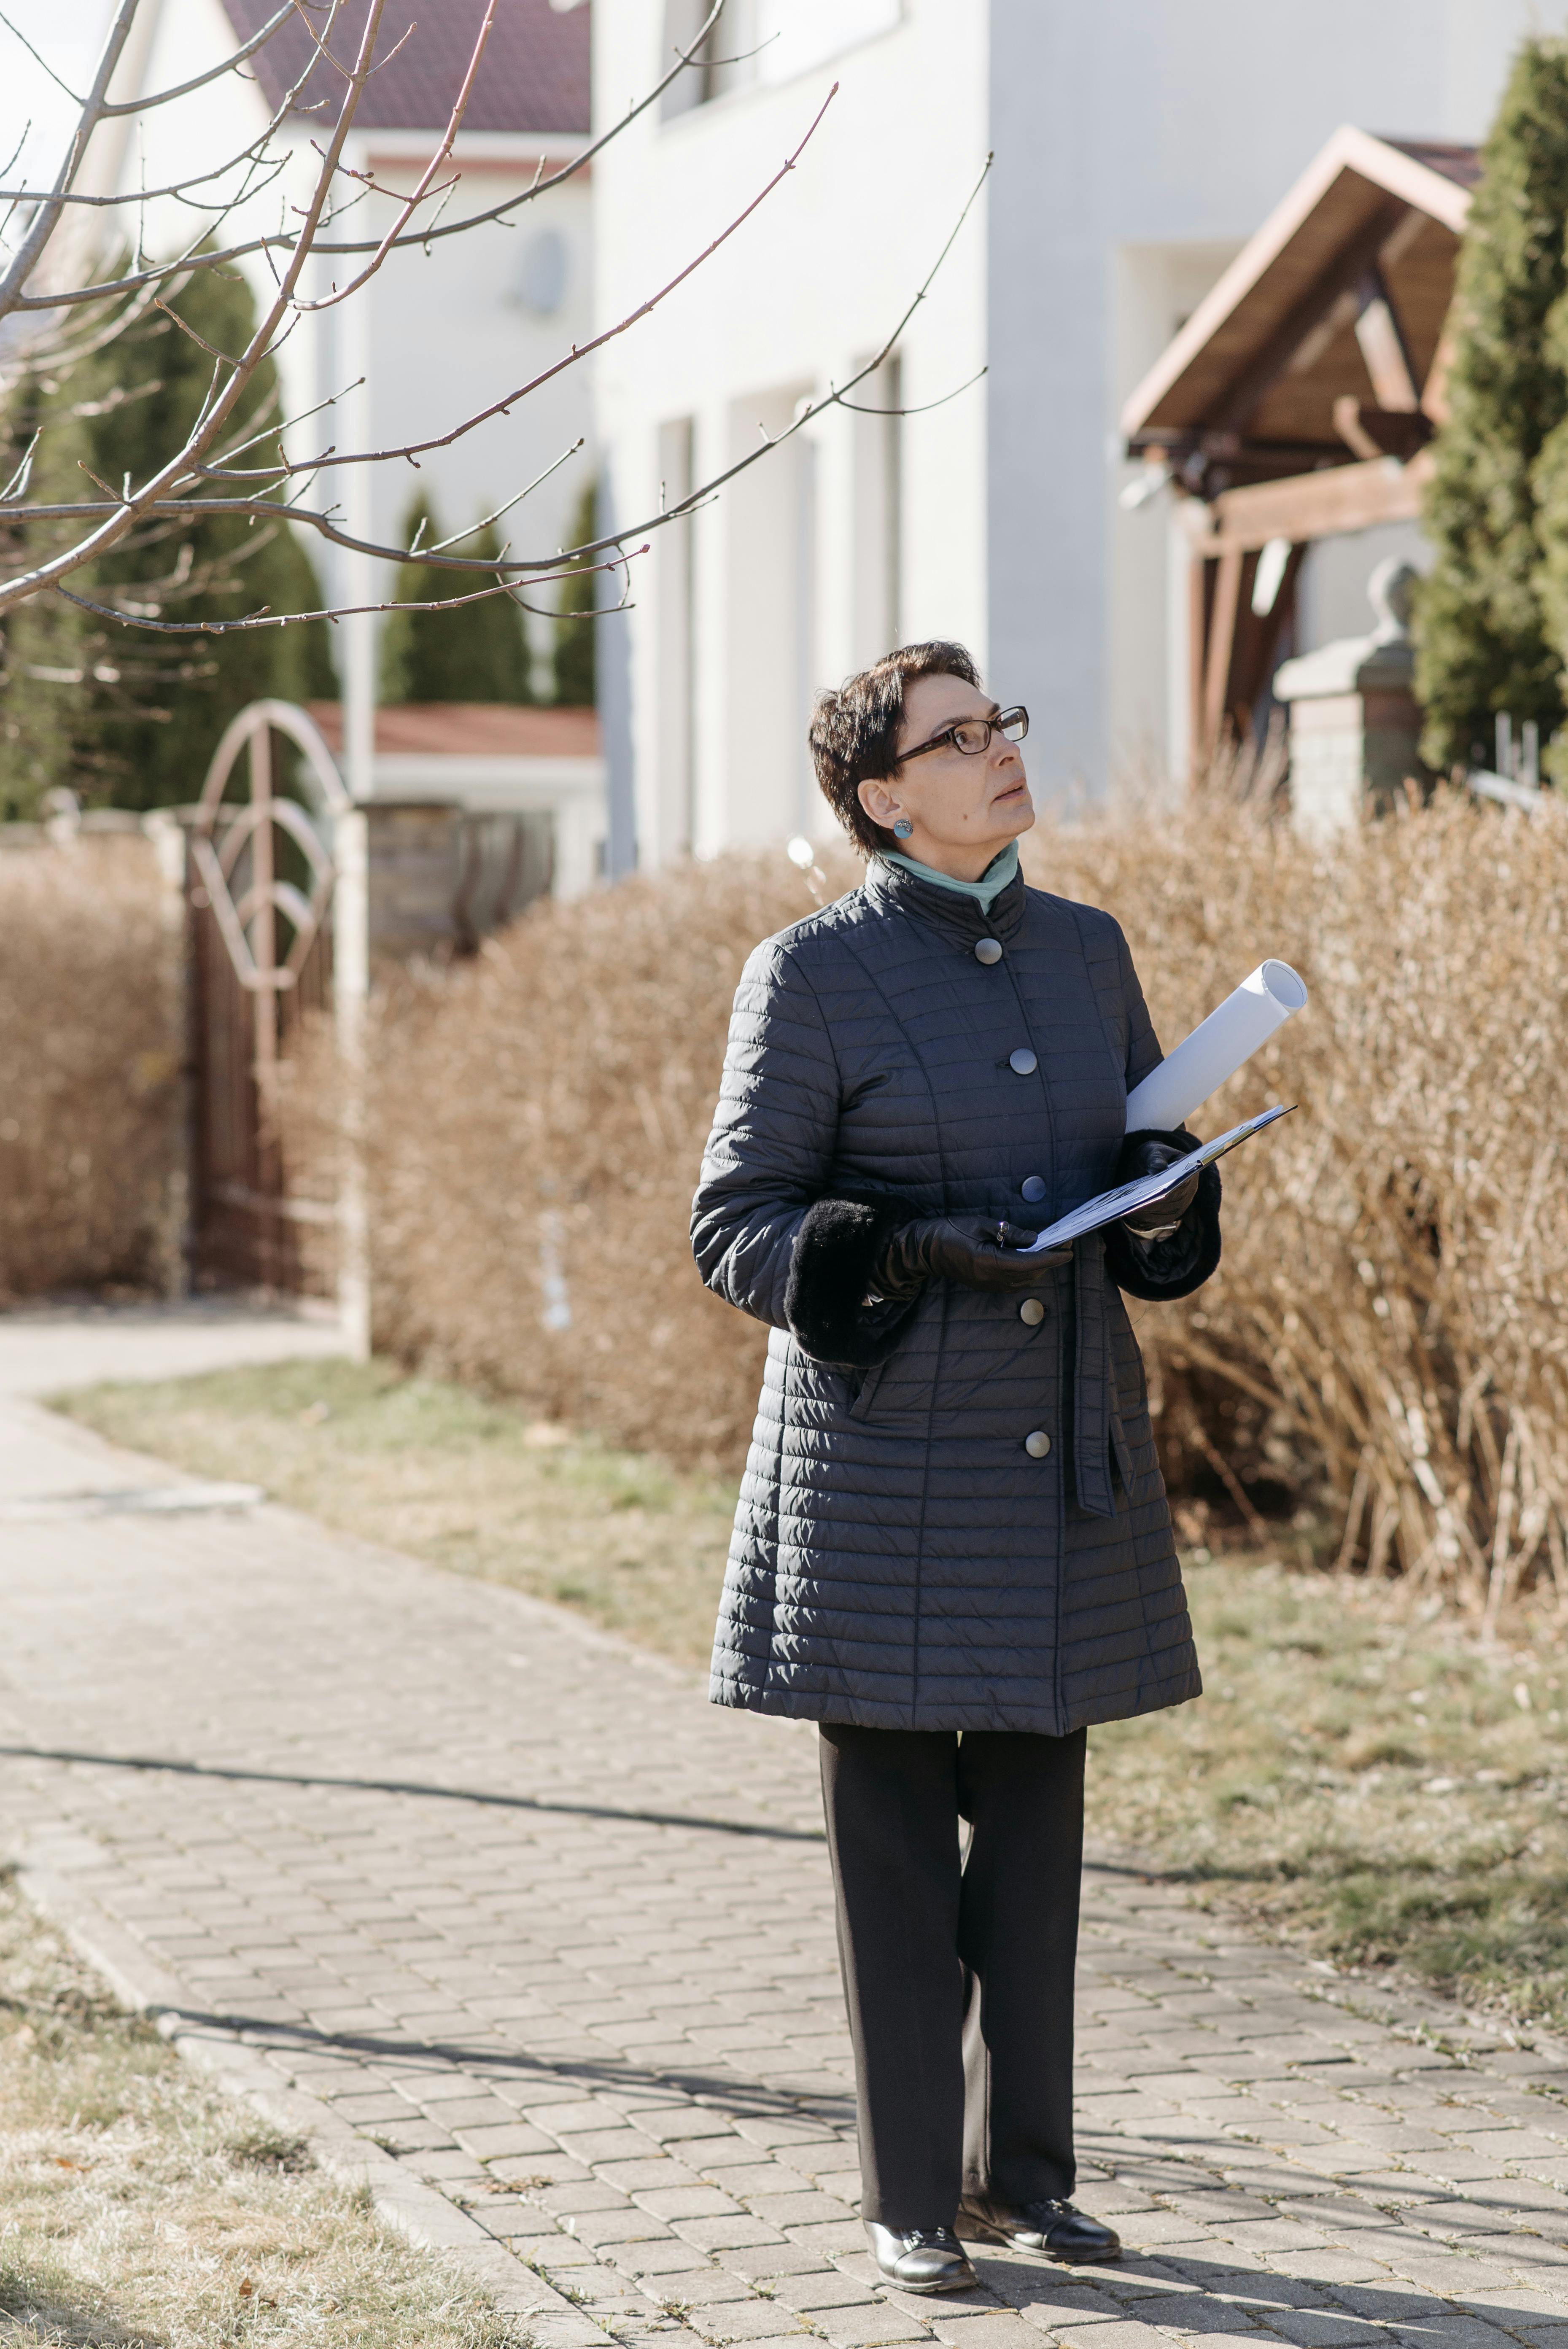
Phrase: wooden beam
{"type": "Point", "coordinates": [1221, 646]}
{"type": "Point", "coordinates": [1373, 432]}
{"type": "Point", "coordinates": [1274, 356]}
{"type": "Point", "coordinates": [1317, 505]}
{"type": "Point", "coordinates": [1252, 660]}
{"type": "Point", "coordinates": [1352, 432]}
{"type": "Point", "coordinates": [1435, 390]}
{"type": "Point", "coordinates": [1383, 349]}
{"type": "Point", "coordinates": [1200, 591]}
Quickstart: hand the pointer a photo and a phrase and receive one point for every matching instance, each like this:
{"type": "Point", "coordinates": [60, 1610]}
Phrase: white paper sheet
{"type": "Point", "coordinates": [1217, 1048]}
{"type": "Point", "coordinates": [1129, 1197]}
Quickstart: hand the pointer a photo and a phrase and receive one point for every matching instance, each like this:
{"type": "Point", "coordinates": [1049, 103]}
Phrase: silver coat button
{"type": "Point", "coordinates": [1038, 1444]}
{"type": "Point", "coordinates": [1032, 1187]}
{"type": "Point", "coordinates": [988, 950]}
{"type": "Point", "coordinates": [1034, 1312]}
{"type": "Point", "coordinates": [1022, 1062]}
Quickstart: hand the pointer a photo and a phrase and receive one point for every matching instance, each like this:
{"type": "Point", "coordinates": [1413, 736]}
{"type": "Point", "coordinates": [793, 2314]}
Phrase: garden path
{"type": "Point", "coordinates": [514, 1919]}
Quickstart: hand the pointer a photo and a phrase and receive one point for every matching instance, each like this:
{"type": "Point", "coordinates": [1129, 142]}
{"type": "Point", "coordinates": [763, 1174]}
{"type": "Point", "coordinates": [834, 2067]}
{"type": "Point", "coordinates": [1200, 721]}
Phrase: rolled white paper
{"type": "Point", "coordinates": [1217, 1048]}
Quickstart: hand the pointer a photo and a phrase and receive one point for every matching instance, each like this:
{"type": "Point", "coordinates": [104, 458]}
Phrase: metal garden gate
{"type": "Point", "coordinates": [260, 881]}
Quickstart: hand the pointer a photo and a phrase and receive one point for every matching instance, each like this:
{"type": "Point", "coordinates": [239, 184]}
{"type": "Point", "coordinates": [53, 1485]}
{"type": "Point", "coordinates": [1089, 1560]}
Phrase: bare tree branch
{"type": "Point", "coordinates": [176, 189]}
{"type": "Point", "coordinates": [214, 72]}
{"type": "Point", "coordinates": [202, 479]}
{"type": "Point", "coordinates": [96, 109]}
{"type": "Point", "coordinates": [686, 59]}
{"type": "Point", "coordinates": [47, 219]}
{"type": "Point", "coordinates": [579, 351]}
{"type": "Point", "coordinates": [265, 620]}
{"type": "Point", "coordinates": [161, 491]}
{"type": "Point", "coordinates": [412, 204]}
{"type": "Point", "coordinates": [506, 568]}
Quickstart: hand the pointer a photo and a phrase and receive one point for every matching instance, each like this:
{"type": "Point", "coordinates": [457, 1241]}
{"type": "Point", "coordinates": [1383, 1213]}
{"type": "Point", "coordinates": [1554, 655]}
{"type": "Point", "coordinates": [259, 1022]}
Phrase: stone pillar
{"type": "Point", "coordinates": [1354, 721]}
{"type": "Point", "coordinates": [351, 995]}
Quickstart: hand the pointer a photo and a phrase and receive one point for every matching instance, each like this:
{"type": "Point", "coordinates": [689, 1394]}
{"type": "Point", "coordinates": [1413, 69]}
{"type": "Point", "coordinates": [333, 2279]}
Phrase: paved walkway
{"type": "Point", "coordinates": [522, 1909]}
{"type": "Point", "coordinates": [60, 1343]}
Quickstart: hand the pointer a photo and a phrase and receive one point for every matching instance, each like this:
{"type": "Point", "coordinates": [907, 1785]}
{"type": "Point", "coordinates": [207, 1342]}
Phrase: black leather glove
{"type": "Point", "coordinates": [976, 1252]}
{"type": "Point", "coordinates": [1161, 1220]}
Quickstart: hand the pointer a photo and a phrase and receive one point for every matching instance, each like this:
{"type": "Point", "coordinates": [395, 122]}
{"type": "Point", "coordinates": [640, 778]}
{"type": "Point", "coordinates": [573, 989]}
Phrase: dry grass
{"type": "Point", "coordinates": [1362, 1773]}
{"type": "Point", "coordinates": [90, 1056]}
{"type": "Point", "coordinates": [1366, 1776]}
{"type": "Point", "coordinates": [138, 2208]}
{"type": "Point", "coordinates": [1383, 1353]}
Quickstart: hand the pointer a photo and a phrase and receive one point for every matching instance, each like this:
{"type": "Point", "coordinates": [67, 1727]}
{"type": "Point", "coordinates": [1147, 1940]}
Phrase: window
{"type": "Point", "coordinates": [877, 491]}
{"type": "Point", "coordinates": [761, 42]}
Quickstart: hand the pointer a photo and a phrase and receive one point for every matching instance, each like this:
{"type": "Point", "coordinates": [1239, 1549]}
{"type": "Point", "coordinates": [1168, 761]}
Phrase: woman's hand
{"type": "Point", "coordinates": [1158, 1221]}
{"type": "Point", "coordinates": [976, 1252]}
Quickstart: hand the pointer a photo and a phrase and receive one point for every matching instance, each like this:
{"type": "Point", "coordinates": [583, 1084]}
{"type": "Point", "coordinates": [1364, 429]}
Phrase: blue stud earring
{"type": "Point", "coordinates": [903, 828]}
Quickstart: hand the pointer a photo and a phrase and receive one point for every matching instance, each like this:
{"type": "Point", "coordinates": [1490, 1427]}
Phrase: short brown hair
{"type": "Point", "coordinates": [854, 733]}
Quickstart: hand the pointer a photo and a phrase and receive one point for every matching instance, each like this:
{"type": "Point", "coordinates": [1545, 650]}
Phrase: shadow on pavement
{"type": "Point", "coordinates": [153, 1762]}
{"type": "Point", "coordinates": [731, 2093]}
{"type": "Point", "coordinates": [1192, 2295]}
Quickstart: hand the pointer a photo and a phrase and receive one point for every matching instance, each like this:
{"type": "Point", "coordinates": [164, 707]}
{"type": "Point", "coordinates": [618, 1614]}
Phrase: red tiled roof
{"type": "Point", "coordinates": [534, 76]}
{"type": "Point", "coordinates": [471, 730]}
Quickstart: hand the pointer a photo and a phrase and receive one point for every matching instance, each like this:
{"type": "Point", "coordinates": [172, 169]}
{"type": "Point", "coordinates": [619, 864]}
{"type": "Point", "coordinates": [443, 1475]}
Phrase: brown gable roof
{"type": "Point", "coordinates": [1264, 355]}
{"type": "Point", "coordinates": [1461, 164]}
{"type": "Point", "coordinates": [534, 76]}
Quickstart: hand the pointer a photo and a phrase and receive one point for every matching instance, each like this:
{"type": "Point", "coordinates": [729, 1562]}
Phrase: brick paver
{"type": "Point", "coordinates": [530, 1915]}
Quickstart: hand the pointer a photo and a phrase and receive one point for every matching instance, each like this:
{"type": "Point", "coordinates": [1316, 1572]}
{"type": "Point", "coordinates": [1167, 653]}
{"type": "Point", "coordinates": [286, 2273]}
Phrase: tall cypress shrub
{"type": "Point", "coordinates": [118, 713]}
{"type": "Point", "coordinates": [1551, 522]}
{"type": "Point", "coordinates": [576, 668]}
{"type": "Point", "coordinates": [1484, 641]}
{"type": "Point", "coordinates": [477, 653]}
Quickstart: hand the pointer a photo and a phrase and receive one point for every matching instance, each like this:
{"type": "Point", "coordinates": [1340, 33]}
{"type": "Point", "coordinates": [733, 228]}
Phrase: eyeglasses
{"type": "Point", "coordinates": [972, 735]}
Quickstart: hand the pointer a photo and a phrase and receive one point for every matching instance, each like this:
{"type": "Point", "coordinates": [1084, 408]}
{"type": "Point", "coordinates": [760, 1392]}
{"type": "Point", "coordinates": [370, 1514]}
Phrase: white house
{"type": "Point", "coordinates": [1137, 143]}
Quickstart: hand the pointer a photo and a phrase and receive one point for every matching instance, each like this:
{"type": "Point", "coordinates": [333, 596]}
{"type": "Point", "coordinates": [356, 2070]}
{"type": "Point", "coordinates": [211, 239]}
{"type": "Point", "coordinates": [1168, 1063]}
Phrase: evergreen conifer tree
{"type": "Point", "coordinates": [575, 635]}
{"type": "Point", "coordinates": [144, 715]}
{"type": "Point", "coordinates": [1484, 643]}
{"type": "Point", "coordinates": [479, 653]}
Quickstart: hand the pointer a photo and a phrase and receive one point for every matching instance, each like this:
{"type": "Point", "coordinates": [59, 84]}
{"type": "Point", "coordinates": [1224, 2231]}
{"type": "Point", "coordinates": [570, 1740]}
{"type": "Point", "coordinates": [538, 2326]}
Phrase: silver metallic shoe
{"type": "Point", "coordinates": [920, 2258]}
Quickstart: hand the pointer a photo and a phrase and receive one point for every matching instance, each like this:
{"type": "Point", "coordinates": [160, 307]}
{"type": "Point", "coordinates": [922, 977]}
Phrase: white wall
{"type": "Point", "coordinates": [442, 335]}
{"type": "Point", "coordinates": [805, 290]}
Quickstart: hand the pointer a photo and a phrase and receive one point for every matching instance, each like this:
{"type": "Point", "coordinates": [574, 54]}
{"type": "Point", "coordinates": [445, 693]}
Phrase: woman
{"type": "Point", "coordinates": [952, 1549]}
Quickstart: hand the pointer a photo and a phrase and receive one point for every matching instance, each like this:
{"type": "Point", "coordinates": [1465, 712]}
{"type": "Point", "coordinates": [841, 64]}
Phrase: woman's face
{"type": "Point", "coordinates": [963, 806]}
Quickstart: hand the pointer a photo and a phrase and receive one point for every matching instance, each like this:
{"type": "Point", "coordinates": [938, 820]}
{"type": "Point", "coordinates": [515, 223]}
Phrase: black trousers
{"type": "Point", "coordinates": [958, 1967]}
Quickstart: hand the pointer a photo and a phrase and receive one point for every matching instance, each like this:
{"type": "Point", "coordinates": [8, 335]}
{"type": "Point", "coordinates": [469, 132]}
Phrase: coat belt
{"type": "Point", "coordinates": [1091, 1382]}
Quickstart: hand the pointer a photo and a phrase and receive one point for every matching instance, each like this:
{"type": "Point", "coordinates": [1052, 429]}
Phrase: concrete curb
{"type": "Point", "coordinates": [418, 2210]}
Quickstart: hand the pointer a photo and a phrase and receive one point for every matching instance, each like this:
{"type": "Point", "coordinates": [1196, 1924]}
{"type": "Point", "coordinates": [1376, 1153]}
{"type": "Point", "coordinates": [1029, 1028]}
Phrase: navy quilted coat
{"type": "Point", "coordinates": [900, 1560]}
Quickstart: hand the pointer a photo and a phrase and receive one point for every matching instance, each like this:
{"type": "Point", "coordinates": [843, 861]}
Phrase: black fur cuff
{"type": "Point", "coordinates": [1160, 1271]}
{"type": "Point", "coordinates": [837, 1251]}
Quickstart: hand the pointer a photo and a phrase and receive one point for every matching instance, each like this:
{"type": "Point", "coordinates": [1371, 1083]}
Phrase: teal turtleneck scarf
{"type": "Point", "coordinates": [985, 891]}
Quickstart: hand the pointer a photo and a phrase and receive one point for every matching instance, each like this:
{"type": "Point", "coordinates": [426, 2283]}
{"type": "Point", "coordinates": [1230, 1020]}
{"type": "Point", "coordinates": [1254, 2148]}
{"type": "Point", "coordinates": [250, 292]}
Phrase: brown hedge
{"type": "Point", "coordinates": [1384, 1346]}
{"type": "Point", "coordinates": [89, 1069]}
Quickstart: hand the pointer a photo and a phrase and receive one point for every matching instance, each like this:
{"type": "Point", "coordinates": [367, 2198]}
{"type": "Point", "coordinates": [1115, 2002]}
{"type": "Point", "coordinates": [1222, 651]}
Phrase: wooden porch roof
{"type": "Point", "coordinates": [1322, 344]}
